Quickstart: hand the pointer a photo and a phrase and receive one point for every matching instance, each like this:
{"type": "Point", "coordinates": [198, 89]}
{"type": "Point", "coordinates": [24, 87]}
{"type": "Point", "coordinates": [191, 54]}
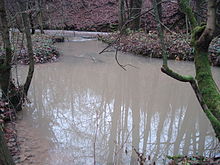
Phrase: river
{"type": "Point", "coordinates": [85, 109]}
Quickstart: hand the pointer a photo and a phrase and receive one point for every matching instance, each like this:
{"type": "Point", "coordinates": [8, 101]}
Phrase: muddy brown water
{"type": "Point", "coordinates": [88, 110]}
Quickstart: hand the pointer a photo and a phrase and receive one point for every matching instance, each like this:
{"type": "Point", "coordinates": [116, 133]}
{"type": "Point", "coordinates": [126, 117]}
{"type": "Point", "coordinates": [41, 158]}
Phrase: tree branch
{"type": "Point", "coordinates": [185, 7]}
{"type": "Point", "coordinates": [165, 69]}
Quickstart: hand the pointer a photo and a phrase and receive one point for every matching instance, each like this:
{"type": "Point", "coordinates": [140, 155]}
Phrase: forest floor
{"type": "Point", "coordinates": [43, 48]}
{"type": "Point", "coordinates": [148, 44]}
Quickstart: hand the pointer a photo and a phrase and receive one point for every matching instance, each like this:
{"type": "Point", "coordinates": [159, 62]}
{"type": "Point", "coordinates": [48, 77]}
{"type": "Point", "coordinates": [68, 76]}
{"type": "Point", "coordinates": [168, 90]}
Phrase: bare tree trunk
{"type": "Point", "coordinates": [121, 13]}
{"type": "Point", "coordinates": [32, 24]}
{"type": "Point", "coordinates": [5, 67]}
{"type": "Point", "coordinates": [30, 52]}
{"type": "Point", "coordinates": [159, 7]}
{"type": "Point", "coordinates": [40, 16]}
{"type": "Point", "coordinates": [5, 75]}
{"type": "Point", "coordinates": [135, 7]}
{"type": "Point", "coordinates": [29, 47]}
{"type": "Point", "coordinates": [6, 83]}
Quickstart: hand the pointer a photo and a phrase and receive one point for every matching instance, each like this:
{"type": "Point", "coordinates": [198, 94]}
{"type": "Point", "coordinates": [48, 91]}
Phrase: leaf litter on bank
{"type": "Point", "coordinates": [43, 49]}
{"type": "Point", "coordinates": [7, 118]}
{"type": "Point", "coordinates": [192, 160]}
{"type": "Point", "coordinates": [148, 44]}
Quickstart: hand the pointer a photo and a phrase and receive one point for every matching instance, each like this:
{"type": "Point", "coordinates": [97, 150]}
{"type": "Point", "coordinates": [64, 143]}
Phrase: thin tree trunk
{"type": "Point", "coordinates": [32, 24]}
{"type": "Point", "coordinates": [29, 47]}
{"type": "Point", "coordinates": [121, 13]}
{"type": "Point", "coordinates": [135, 7]}
{"type": "Point", "coordinates": [30, 52]}
{"type": "Point", "coordinates": [187, 10]}
{"type": "Point", "coordinates": [159, 7]}
{"type": "Point", "coordinates": [40, 16]}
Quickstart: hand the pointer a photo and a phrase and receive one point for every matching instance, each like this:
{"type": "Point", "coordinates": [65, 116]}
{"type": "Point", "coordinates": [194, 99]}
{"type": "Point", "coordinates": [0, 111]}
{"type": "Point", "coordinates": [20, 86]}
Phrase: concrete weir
{"type": "Point", "coordinates": [68, 33]}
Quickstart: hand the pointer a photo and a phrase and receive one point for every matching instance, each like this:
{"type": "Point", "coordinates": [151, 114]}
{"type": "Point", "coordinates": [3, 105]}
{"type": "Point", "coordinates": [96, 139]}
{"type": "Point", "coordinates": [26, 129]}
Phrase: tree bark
{"type": "Point", "coordinates": [32, 24]}
{"type": "Point", "coordinates": [135, 6]}
{"type": "Point", "coordinates": [208, 89]}
{"type": "Point", "coordinates": [159, 8]}
{"type": "Point", "coordinates": [40, 16]}
{"type": "Point", "coordinates": [121, 13]}
{"type": "Point", "coordinates": [29, 47]}
{"type": "Point", "coordinates": [8, 88]}
{"type": "Point", "coordinates": [187, 10]}
{"type": "Point", "coordinates": [202, 37]}
{"type": "Point", "coordinates": [30, 53]}
{"type": "Point", "coordinates": [5, 67]}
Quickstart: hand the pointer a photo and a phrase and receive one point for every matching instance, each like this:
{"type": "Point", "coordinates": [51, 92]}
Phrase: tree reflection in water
{"type": "Point", "coordinates": [95, 109]}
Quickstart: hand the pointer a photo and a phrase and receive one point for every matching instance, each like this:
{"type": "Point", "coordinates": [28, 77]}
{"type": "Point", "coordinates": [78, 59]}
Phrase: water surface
{"type": "Point", "coordinates": [94, 112]}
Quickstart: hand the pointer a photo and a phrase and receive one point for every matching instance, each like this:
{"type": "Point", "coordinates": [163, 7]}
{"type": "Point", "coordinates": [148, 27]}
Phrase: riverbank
{"type": "Point", "coordinates": [44, 52]}
{"type": "Point", "coordinates": [148, 44]}
{"type": "Point", "coordinates": [43, 49]}
{"type": "Point", "coordinates": [8, 124]}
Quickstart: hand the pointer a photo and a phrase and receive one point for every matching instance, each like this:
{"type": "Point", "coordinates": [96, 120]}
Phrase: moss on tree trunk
{"type": "Point", "coordinates": [203, 84]}
{"type": "Point", "coordinates": [208, 88]}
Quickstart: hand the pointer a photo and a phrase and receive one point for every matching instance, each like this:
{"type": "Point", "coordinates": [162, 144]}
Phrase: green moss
{"type": "Point", "coordinates": [205, 81]}
{"type": "Point", "coordinates": [196, 33]}
{"type": "Point", "coordinates": [175, 75]}
{"type": "Point", "coordinates": [215, 123]}
{"type": "Point", "coordinates": [185, 7]}
{"type": "Point", "coordinates": [208, 89]}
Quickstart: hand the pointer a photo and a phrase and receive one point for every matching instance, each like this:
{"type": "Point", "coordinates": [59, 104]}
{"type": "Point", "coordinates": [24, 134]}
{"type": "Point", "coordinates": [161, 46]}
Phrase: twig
{"type": "Point", "coordinates": [141, 157]}
{"type": "Point", "coordinates": [126, 140]}
{"type": "Point", "coordinates": [122, 66]}
{"type": "Point", "coordinates": [116, 58]}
